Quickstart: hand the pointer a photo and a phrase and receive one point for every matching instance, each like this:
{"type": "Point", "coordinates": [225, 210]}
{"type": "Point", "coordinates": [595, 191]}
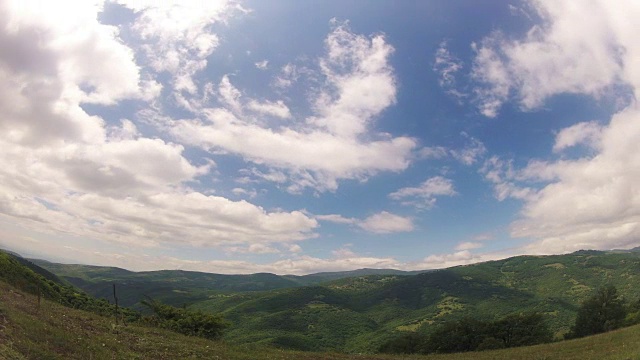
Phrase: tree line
{"type": "Point", "coordinates": [604, 311]}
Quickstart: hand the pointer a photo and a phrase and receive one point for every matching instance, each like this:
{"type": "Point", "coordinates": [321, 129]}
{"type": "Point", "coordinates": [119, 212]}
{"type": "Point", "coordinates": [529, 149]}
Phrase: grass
{"type": "Point", "coordinates": [52, 332]}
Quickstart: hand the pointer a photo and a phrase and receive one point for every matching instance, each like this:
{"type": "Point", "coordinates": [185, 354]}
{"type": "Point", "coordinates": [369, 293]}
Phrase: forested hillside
{"type": "Point", "coordinates": [51, 331]}
{"type": "Point", "coordinates": [361, 313]}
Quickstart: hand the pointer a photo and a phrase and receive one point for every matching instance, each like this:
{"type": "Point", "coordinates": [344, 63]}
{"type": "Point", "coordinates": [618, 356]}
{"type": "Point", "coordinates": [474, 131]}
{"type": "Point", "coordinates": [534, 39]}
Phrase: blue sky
{"type": "Point", "coordinates": [302, 136]}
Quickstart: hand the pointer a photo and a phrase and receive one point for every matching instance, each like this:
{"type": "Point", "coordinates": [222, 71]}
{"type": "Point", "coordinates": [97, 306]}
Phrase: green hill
{"type": "Point", "coordinates": [178, 287]}
{"type": "Point", "coordinates": [52, 331]}
{"type": "Point", "coordinates": [358, 314]}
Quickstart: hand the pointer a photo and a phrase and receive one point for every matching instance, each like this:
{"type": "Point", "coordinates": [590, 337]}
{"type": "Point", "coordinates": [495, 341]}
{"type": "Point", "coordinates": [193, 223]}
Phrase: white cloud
{"type": "Point", "coordinates": [505, 179]}
{"type": "Point", "coordinates": [460, 257]}
{"type": "Point", "coordinates": [262, 65]}
{"type": "Point", "coordinates": [433, 152]}
{"type": "Point", "coordinates": [343, 252]}
{"type": "Point", "coordinates": [556, 57]}
{"type": "Point", "coordinates": [424, 196]}
{"type": "Point", "coordinates": [483, 237]}
{"type": "Point", "coordinates": [230, 95]}
{"type": "Point", "coordinates": [335, 218]}
{"type": "Point", "coordinates": [63, 171]}
{"type": "Point", "coordinates": [262, 249]}
{"type": "Point", "coordinates": [277, 108]}
{"type": "Point", "coordinates": [49, 67]}
{"type": "Point", "coordinates": [469, 154]}
{"type": "Point", "coordinates": [244, 192]}
{"type": "Point", "coordinates": [591, 201]}
{"type": "Point", "coordinates": [289, 74]}
{"type": "Point", "coordinates": [468, 246]}
{"type": "Point", "coordinates": [386, 223]}
{"type": "Point", "coordinates": [360, 82]}
{"type": "Point", "coordinates": [81, 58]}
{"type": "Point", "coordinates": [380, 223]}
{"type": "Point", "coordinates": [473, 150]}
{"type": "Point", "coordinates": [587, 133]}
{"type": "Point", "coordinates": [176, 36]}
{"type": "Point", "coordinates": [296, 265]}
{"type": "Point", "coordinates": [447, 66]}
{"type": "Point", "coordinates": [336, 143]}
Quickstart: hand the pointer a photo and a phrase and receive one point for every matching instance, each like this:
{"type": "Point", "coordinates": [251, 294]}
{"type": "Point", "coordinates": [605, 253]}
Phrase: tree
{"type": "Point", "coordinates": [457, 336]}
{"type": "Point", "coordinates": [408, 343]}
{"type": "Point", "coordinates": [522, 330]}
{"type": "Point", "coordinates": [602, 312]}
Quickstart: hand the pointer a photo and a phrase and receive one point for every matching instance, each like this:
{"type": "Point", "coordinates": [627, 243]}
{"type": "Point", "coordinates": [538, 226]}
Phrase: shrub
{"type": "Point", "coordinates": [192, 323]}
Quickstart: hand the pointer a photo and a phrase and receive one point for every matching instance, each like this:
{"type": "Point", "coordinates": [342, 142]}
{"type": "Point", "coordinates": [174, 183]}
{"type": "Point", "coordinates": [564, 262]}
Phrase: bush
{"type": "Point", "coordinates": [192, 323]}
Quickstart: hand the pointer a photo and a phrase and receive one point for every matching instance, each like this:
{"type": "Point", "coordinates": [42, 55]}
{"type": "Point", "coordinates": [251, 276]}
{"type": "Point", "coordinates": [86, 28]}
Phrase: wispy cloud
{"type": "Point", "coordinates": [262, 65]}
{"type": "Point", "coordinates": [424, 196]}
{"type": "Point", "coordinates": [446, 65]}
{"type": "Point", "coordinates": [328, 146]}
{"type": "Point", "coordinates": [381, 223]}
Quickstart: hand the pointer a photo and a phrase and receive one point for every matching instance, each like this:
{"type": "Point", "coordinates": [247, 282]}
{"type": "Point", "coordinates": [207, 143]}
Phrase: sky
{"type": "Point", "coordinates": [296, 137]}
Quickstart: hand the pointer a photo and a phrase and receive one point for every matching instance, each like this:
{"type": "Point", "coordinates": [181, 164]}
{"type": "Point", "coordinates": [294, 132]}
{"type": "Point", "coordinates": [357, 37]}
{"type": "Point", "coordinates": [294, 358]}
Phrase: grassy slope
{"type": "Point", "coordinates": [55, 332]}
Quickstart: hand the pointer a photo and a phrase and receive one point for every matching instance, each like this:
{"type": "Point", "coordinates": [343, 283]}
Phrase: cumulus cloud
{"type": "Point", "coordinates": [335, 143]}
{"type": "Point", "coordinates": [424, 196]}
{"type": "Point", "coordinates": [587, 133]}
{"type": "Point", "coordinates": [63, 171]}
{"type": "Point", "coordinates": [385, 223]}
{"type": "Point", "coordinates": [49, 67]}
{"type": "Point", "coordinates": [591, 201]}
{"type": "Point", "coordinates": [556, 57]}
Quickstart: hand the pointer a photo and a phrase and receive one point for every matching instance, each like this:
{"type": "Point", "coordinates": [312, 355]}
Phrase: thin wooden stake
{"type": "Point", "coordinates": [39, 295]}
{"type": "Point", "coordinates": [116, 299]}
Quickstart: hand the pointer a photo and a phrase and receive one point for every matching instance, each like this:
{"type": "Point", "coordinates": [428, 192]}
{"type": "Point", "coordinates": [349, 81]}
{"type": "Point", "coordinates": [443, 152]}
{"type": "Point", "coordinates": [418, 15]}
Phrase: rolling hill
{"type": "Point", "coordinates": [359, 313]}
{"type": "Point", "coordinates": [51, 331]}
{"type": "Point", "coordinates": [178, 287]}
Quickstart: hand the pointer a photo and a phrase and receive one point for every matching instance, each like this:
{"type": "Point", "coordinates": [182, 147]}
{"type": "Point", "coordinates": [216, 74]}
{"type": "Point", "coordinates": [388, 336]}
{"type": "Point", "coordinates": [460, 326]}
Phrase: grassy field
{"type": "Point", "coordinates": [51, 331]}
